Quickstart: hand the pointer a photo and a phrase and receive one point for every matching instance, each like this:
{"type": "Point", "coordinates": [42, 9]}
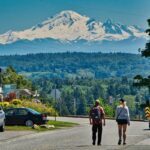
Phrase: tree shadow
{"type": "Point", "coordinates": [146, 129]}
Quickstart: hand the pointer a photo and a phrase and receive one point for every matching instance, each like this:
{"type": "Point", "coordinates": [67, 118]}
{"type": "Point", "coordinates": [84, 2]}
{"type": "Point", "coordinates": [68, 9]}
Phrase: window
{"type": "Point", "coordinates": [33, 111]}
{"type": "Point", "coordinates": [9, 112]}
{"type": "Point", "coordinates": [22, 112]}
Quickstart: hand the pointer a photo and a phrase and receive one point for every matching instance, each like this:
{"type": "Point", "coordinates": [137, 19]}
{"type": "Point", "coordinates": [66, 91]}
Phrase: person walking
{"type": "Point", "coordinates": [96, 116]}
{"type": "Point", "coordinates": [122, 118]}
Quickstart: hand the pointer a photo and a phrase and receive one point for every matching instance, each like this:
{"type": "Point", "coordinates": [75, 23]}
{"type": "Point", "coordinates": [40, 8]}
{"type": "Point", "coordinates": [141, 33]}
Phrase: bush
{"type": "Point", "coordinates": [16, 102]}
{"type": "Point", "coordinates": [4, 104]}
{"type": "Point", "coordinates": [40, 107]}
{"type": "Point", "coordinates": [37, 106]}
{"type": "Point", "coordinates": [109, 110]}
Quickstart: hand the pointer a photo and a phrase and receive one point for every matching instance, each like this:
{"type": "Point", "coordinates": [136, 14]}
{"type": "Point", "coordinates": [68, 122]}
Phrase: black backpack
{"type": "Point", "coordinates": [96, 114]}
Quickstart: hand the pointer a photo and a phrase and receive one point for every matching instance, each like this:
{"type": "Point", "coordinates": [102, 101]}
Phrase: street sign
{"type": "Point", "coordinates": [147, 112]}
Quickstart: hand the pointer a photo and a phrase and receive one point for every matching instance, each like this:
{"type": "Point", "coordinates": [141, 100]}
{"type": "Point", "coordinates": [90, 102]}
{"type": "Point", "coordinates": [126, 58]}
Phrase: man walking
{"type": "Point", "coordinates": [96, 116]}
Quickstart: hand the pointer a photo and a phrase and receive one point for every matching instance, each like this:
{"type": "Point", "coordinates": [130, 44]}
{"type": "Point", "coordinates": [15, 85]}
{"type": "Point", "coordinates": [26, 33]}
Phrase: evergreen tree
{"type": "Point", "coordinates": [139, 80]}
{"type": "Point", "coordinates": [146, 51]}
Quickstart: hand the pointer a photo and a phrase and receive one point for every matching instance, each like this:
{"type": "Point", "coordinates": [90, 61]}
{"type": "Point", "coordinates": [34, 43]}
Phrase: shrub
{"type": "Point", "coordinates": [109, 111]}
{"type": "Point", "coordinates": [16, 102]}
{"type": "Point", "coordinates": [4, 104]}
{"type": "Point", "coordinates": [37, 106]}
{"type": "Point", "coordinates": [40, 107]}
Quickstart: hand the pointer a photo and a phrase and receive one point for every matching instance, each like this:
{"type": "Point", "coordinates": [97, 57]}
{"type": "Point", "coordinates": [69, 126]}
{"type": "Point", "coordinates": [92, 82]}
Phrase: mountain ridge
{"type": "Point", "coordinates": [70, 26]}
{"type": "Point", "coordinates": [70, 31]}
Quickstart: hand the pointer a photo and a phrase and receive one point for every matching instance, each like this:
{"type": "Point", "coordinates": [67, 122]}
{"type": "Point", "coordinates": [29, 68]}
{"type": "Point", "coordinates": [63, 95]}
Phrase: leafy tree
{"type": "Point", "coordinates": [82, 106]}
{"type": "Point", "coordinates": [109, 110]}
{"type": "Point", "coordinates": [146, 51]}
{"type": "Point", "coordinates": [138, 79]}
{"type": "Point", "coordinates": [10, 76]}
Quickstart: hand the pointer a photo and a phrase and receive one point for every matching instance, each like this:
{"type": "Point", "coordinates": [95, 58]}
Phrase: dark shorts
{"type": "Point", "coordinates": [122, 121]}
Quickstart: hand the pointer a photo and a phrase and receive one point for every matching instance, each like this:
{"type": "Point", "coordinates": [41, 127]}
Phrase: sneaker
{"type": "Point", "coordinates": [119, 142]}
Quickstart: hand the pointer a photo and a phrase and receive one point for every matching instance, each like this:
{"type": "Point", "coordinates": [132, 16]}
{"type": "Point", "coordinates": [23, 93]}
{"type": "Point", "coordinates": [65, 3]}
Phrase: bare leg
{"type": "Point", "coordinates": [119, 133]}
{"type": "Point", "coordinates": [124, 133]}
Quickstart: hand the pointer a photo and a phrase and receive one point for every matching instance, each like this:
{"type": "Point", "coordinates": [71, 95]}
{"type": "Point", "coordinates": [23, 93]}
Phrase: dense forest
{"type": "Point", "coordinates": [81, 78]}
{"type": "Point", "coordinates": [78, 95]}
{"type": "Point", "coordinates": [71, 65]}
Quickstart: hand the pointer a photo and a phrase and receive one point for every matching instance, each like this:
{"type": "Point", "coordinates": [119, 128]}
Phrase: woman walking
{"type": "Point", "coordinates": [123, 119]}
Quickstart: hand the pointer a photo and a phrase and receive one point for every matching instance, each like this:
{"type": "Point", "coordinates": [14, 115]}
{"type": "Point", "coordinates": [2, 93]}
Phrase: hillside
{"type": "Point", "coordinates": [62, 65]}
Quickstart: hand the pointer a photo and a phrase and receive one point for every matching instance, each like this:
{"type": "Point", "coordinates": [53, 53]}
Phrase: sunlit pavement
{"type": "Point", "coordinates": [138, 137]}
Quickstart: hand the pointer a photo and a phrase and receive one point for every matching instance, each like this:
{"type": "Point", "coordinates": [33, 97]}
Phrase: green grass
{"type": "Point", "coordinates": [18, 128]}
{"type": "Point", "coordinates": [57, 124]}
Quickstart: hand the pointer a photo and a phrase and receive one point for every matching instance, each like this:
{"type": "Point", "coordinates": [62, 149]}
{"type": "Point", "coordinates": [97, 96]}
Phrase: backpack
{"type": "Point", "coordinates": [96, 113]}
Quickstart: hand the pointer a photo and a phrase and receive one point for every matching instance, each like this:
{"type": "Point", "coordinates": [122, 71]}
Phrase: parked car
{"type": "Point", "coordinates": [24, 116]}
{"type": "Point", "coordinates": [2, 120]}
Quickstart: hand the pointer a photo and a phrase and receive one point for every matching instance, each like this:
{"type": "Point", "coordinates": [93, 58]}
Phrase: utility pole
{"type": "Point", "coordinates": [74, 104]}
{"type": "Point", "coordinates": [55, 101]}
{"type": "Point", "coordinates": [60, 103]}
{"type": "Point", "coordinates": [0, 77]}
{"type": "Point", "coordinates": [56, 94]}
{"type": "Point", "coordinates": [1, 90]}
{"type": "Point", "coordinates": [75, 99]}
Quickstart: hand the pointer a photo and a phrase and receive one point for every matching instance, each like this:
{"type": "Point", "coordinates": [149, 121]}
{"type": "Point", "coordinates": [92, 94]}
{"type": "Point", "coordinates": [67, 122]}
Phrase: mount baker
{"type": "Point", "coordinates": [70, 31]}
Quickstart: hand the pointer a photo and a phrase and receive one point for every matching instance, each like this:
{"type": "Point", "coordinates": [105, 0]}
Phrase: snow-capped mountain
{"type": "Point", "coordinates": [68, 26]}
{"type": "Point", "coordinates": [70, 31]}
{"type": "Point", "coordinates": [116, 31]}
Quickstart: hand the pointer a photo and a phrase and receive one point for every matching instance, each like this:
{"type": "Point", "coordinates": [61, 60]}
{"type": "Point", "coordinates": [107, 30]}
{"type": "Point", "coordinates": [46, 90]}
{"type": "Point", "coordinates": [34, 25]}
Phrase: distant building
{"type": "Point", "coordinates": [9, 88]}
{"type": "Point", "coordinates": [23, 93]}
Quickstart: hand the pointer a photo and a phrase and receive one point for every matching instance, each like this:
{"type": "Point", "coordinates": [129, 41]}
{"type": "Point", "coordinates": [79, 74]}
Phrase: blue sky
{"type": "Point", "coordinates": [22, 14]}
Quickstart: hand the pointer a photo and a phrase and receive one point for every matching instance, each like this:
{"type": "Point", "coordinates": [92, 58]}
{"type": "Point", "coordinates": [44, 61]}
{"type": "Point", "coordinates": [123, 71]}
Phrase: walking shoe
{"type": "Point", "coordinates": [124, 143]}
{"type": "Point", "coordinates": [119, 142]}
{"type": "Point", "coordinates": [93, 143]}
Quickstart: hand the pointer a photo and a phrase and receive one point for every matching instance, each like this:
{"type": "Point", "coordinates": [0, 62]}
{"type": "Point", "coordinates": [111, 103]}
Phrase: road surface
{"type": "Point", "coordinates": [79, 138]}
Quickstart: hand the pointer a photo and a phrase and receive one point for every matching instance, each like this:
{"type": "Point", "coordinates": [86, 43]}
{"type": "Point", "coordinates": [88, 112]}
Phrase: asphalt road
{"type": "Point", "coordinates": [79, 138]}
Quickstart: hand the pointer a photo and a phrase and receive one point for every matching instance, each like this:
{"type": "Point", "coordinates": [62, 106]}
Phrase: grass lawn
{"type": "Point", "coordinates": [18, 128]}
{"type": "Point", "coordinates": [57, 124]}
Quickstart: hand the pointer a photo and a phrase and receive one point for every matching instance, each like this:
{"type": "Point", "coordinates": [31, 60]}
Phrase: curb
{"type": "Point", "coordinates": [81, 116]}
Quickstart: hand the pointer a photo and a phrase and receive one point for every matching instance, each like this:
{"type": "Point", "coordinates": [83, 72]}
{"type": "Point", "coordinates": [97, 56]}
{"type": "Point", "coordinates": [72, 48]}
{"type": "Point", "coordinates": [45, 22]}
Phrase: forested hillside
{"type": "Point", "coordinates": [93, 65]}
{"type": "Point", "coordinates": [78, 95]}
{"type": "Point", "coordinates": [83, 77]}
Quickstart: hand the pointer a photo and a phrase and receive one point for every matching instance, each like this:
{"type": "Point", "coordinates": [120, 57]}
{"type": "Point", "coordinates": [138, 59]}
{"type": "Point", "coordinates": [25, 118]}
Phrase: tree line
{"type": "Point", "coordinates": [70, 65]}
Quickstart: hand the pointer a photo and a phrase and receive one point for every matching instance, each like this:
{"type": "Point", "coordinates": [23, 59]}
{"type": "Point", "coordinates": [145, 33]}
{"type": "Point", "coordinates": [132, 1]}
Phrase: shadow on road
{"type": "Point", "coordinates": [146, 129]}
